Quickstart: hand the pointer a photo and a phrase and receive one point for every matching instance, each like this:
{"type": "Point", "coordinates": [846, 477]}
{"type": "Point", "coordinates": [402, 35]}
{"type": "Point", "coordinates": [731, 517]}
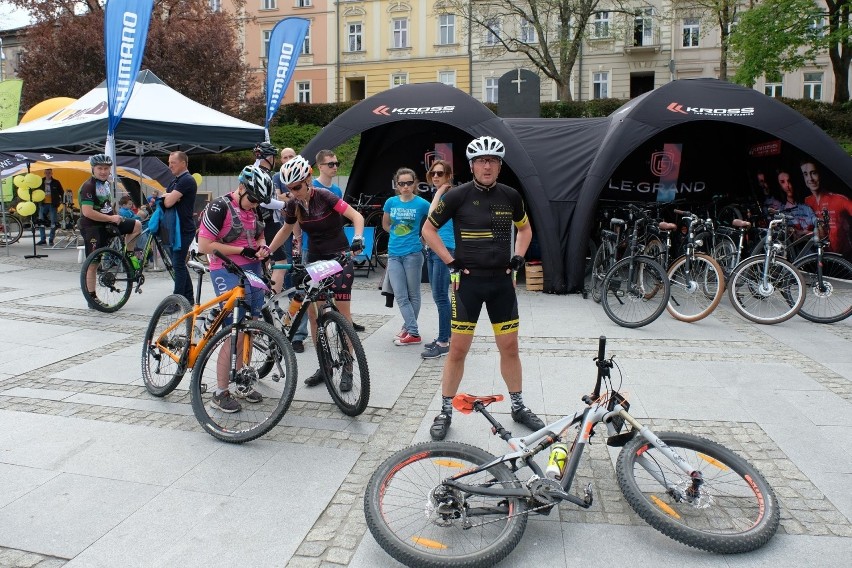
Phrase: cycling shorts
{"type": "Point", "coordinates": [223, 281]}
{"type": "Point", "coordinates": [496, 291]}
{"type": "Point", "coordinates": [95, 237]}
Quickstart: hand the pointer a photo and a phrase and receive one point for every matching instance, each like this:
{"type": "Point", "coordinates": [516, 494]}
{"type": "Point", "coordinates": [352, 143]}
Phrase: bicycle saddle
{"type": "Point", "coordinates": [464, 402]}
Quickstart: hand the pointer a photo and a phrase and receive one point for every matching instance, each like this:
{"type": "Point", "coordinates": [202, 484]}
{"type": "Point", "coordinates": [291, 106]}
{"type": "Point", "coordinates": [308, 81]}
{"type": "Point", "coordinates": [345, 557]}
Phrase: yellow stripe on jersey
{"type": "Point", "coordinates": [476, 234]}
{"type": "Point", "coordinates": [505, 327]}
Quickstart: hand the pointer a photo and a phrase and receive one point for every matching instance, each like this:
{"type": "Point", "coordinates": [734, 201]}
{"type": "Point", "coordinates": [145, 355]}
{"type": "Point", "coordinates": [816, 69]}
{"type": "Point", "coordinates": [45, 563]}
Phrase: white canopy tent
{"type": "Point", "coordinates": [157, 120]}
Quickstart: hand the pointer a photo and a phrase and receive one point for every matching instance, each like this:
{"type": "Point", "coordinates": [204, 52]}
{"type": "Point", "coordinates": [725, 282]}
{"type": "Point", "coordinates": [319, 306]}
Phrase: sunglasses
{"type": "Point", "coordinates": [405, 183]}
{"type": "Point", "coordinates": [331, 164]}
{"type": "Point", "coordinates": [302, 185]}
{"type": "Point", "coordinates": [436, 173]}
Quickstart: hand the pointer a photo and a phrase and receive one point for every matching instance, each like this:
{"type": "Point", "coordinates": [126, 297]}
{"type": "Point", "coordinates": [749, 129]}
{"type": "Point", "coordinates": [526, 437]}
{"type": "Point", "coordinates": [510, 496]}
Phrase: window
{"type": "Point", "coordinates": [813, 86]}
{"type": "Point", "coordinates": [527, 31]}
{"type": "Point", "coordinates": [215, 5]}
{"type": "Point", "coordinates": [354, 37]}
{"type": "Point", "coordinates": [447, 78]}
{"type": "Point", "coordinates": [492, 32]}
{"type": "Point", "coordinates": [303, 3]}
{"type": "Point", "coordinates": [491, 90]}
{"type": "Point", "coordinates": [642, 27]}
{"type": "Point", "coordinates": [400, 32]}
{"type": "Point", "coordinates": [600, 85]}
{"type": "Point", "coordinates": [447, 29]}
{"type": "Point", "coordinates": [399, 79]}
{"type": "Point", "coordinates": [265, 40]}
{"type": "Point", "coordinates": [690, 32]}
{"type": "Point", "coordinates": [306, 47]}
{"type": "Point", "coordinates": [601, 24]}
{"type": "Point", "coordinates": [303, 91]}
{"type": "Point", "coordinates": [268, 4]}
{"type": "Point", "coordinates": [773, 90]}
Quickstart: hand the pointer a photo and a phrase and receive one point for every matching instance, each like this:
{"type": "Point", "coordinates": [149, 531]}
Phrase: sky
{"type": "Point", "coordinates": [11, 17]}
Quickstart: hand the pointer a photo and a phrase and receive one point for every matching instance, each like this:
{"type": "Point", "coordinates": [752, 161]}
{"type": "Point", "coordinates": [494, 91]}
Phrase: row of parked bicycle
{"type": "Point", "coordinates": [645, 265]}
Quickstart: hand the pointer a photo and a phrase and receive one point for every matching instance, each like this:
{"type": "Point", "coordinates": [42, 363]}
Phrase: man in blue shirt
{"type": "Point", "coordinates": [180, 195]}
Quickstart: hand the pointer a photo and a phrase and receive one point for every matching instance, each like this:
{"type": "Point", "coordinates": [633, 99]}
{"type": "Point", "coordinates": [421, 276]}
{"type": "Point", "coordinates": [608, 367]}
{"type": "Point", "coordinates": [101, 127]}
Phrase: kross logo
{"type": "Point", "coordinates": [385, 110]}
{"type": "Point", "coordinates": [703, 111]}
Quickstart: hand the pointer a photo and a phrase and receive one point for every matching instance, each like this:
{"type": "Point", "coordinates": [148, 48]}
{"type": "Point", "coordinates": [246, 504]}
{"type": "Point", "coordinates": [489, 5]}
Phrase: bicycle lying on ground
{"type": "Point", "coordinates": [196, 337]}
{"type": "Point", "coordinates": [119, 270]}
{"type": "Point", "coordinates": [450, 504]}
{"type": "Point", "coordinates": [342, 359]}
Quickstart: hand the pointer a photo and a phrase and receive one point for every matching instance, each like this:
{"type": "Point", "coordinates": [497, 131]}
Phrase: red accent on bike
{"type": "Point", "coordinates": [464, 402]}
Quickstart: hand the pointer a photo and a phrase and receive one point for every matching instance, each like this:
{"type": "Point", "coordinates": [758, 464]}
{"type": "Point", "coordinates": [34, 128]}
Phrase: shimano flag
{"type": "Point", "coordinates": [285, 45]}
{"type": "Point", "coordinates": [125, 31]}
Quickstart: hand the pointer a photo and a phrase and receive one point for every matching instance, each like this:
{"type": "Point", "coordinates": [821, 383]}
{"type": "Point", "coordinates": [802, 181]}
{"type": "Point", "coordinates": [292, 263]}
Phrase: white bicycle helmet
{"type": "Point", "coordinates": [485, 146]}
{"type": "Point", "coordinates": [295, 171]}
{"type": "Point", "coordinates": [257, 182]}
{"type": "Point", "coordinates": [100, 160]}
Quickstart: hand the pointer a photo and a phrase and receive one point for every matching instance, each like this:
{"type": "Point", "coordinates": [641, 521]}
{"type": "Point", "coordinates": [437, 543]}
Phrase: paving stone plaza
{"type": "Point", "coordinates": [96, 472]}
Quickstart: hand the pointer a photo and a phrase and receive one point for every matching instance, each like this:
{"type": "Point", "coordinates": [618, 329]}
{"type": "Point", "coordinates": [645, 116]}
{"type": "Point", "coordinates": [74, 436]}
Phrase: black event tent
{"type": "Point", "coordinates": [563, 167]}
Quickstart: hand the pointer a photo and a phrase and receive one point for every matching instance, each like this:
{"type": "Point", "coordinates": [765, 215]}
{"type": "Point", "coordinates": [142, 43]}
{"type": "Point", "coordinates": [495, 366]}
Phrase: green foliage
{"type": "Point", "coordinates": [580, 109]}
{"type": "Point", "coordinates": [319, 114]}
{"type": "Point", "coordinates": [774, 37]}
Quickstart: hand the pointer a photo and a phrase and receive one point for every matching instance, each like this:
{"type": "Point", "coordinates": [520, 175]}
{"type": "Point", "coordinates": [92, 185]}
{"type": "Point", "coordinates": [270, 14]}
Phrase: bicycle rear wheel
{"type": "Point", "coordinates": [635, 291]}
{"type": "Point", "coordinates": [262, 342]}
{"type": "Point", "coordinates": [725, 253]}
{"type": "Point", "coordinates": [381, 246]}
{"type": "Point", "coordinates": [113, 279]}
{"type": "Point", "coordinates": [774, 302]}
{"type": "Point", "coordinates": [164, 354]}
{"type": "Point", "coordinates": [696, 294]}
{"type": "Point", "coordinates": [831, 300]}
{"type": "Point", "coordinates": [420, 522]}
{"type": "Point", "coordinates": [603, 260]}
{"type": "Point", "coordinates": [731, 510]}
{"type": "Point", "coordinates": [10, 230]}
{"type": "Point", "coordinates": [344, 364]}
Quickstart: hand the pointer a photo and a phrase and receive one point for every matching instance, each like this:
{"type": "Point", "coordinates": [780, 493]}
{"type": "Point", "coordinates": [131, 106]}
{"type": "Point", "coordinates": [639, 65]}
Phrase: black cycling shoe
{"type": "Point", "coordinates": [440, 425]}
{"type": "Point", "coordinates": [315, 379]}
{"type": "Point", "coordinates": [528, 418]}
{"type": "Point", "coordinates": [358, 327]}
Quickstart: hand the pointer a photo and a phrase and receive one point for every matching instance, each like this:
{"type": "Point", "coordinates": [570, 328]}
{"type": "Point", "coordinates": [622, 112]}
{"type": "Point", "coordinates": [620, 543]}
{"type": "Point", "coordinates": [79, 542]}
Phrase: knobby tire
{"type": "Point", "coordinates": [113, 280]}
{"type": "Point", "coordinates": [161, 373]}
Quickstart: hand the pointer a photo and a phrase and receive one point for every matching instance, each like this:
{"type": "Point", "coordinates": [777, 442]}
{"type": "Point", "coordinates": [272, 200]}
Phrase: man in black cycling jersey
{"type": "Point", "coordinates": [483, 212]}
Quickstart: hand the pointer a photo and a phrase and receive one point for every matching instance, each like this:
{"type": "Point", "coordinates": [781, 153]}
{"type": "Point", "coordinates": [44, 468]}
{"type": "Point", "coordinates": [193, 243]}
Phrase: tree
{"type": "Point", "coordinates": [560, 27]}
{"type": "Point", "coordinates": [779, 36]}
{"type": "Point", "coordinates": [721, 13]}
{"type": "Point", "coordinates": [191, 48]}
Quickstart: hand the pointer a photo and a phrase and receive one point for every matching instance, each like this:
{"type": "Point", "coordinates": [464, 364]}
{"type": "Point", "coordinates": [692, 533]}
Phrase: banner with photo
{"type": "Point", "coordinates": [285, 45]}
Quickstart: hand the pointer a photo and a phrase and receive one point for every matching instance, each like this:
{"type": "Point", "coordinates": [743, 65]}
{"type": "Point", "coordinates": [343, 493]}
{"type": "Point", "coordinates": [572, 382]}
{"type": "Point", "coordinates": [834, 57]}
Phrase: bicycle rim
{"type": "Point", "coordinates": [774, 302]}
{"type": "Point", "coordinates": [696, 294]}
{"type": "Point", "coordinates": [381, 247]}
{"type": "Point", "coordinates": [828, 300]}
{"type": "Point", "coordinates": [635, 292]}
{"type": "Point", "coordinates": [732, 510]}
{"type": "Point", "coordinates": [277, 388]}
{"type": "Point", "coordinates": [343, 358]}
{"type": "Point", "coordinates": [419, 522]}
{"type": "Point", "coordinates": [164, 353]}
{"type": "Point", "coordinates": [725, 253]}
{"type": "Point", "coordinates": [113, 279]}
{"type": "Point", "coordinates": [166, 257]}
{"type": "Point", "coordinates": [11, 230]}
{"type": "Point", "coordinates": [602, 262]}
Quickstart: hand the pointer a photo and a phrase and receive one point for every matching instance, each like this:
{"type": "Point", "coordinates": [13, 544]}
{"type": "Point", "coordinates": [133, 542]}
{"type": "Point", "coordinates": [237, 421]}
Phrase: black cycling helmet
{"type": "Point", "coordinates": [264, 150]}
{"type": "Point", "coordinates": [257, 182]}
{"type": "Point", "coordinates": [100, 160]}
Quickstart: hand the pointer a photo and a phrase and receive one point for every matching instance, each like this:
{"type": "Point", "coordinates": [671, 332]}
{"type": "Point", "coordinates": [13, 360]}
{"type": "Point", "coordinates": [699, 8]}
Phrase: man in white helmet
{"type": "Point", "coordinates": [482, 267]}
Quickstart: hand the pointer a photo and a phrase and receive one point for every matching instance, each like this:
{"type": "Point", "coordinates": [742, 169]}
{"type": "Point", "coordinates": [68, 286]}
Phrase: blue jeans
{"type": "Point", "coordinates": [404, 273]}
{"type": "Point", "coordinates": [183, 281]}
{"type": "Point", "coordinates": [439, 279]}
{"type": "Point", "coordinates": [47, 211]}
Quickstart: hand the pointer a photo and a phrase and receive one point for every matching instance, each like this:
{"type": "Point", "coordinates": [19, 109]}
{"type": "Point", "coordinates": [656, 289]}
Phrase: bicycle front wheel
{"type": "Point", "coordinates": [113, 279]}
{"type": "Point", "coordinates": [381, 246]}
{"type": "Point", "coordinates": [635, 292]}
{"type": "Point", "coordinates": [827, 299]}
{"type": "Point", "coordinates": [725, 507]}
{"type": "Point", "coordinates": [725, 253]}
{"type": "Point", "coordinates": [774, 301]}
{"type": "Point", "coordinates": [697, 285]}
{"type": "Point", "coordinates": [166, 346]}
{"type": "Point", "coordinates": [344, 364]}
{"type": "Point", "coordinates": [10, 230]}
{"type": "Point", "coordinates": [257, 343]}
{"type": "Point", "coordinates": [166, 257]}
{"type": "Point", "coordinates": [421, 522]}
{"type": "Point", "coordinates": [601, 263]}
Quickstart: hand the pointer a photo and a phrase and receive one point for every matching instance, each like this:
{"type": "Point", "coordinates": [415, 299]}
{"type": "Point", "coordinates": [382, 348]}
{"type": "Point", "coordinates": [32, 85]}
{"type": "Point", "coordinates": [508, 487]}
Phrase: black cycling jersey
{"type": "Point", "coordinates": [482, 221]}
